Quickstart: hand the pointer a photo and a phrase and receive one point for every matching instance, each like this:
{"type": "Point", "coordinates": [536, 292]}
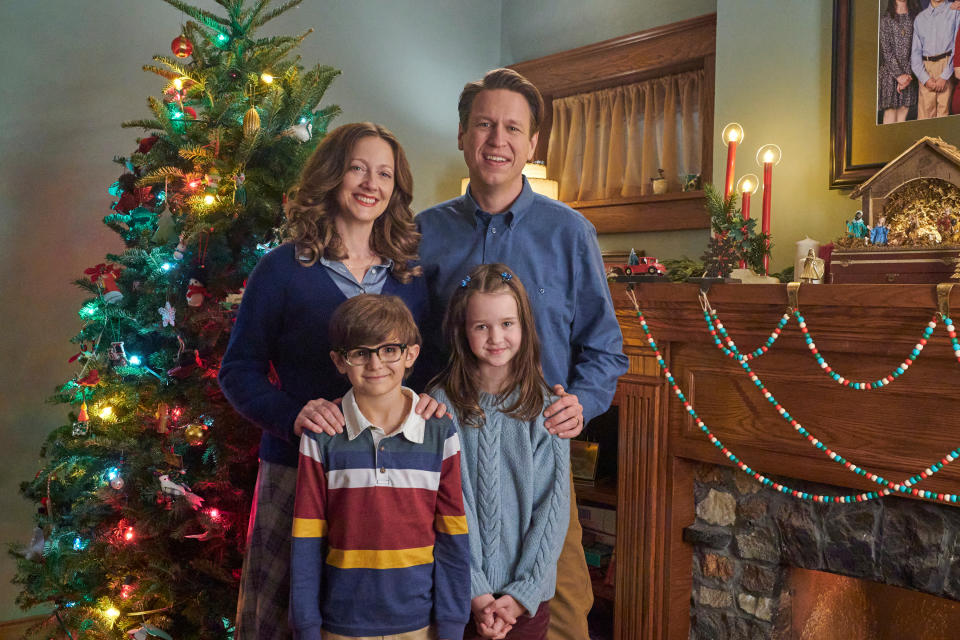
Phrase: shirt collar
{"type": "Point", "coordinates": [412, 427]}
{"type": "Point", "coordinates": [512, 215]}
{"type": "Point", "coordinates": [387, 262]}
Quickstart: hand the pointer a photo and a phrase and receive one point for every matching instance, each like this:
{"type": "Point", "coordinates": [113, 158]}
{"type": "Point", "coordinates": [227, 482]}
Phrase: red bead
{"type": "Point", "coordinates": [923, 474]}
{"type": "Point", "coordinates": [828, 369]}
{"type": "Point", "coordinates": [908, 361]}
{"type": "Point", "coordinates": [923, 341]}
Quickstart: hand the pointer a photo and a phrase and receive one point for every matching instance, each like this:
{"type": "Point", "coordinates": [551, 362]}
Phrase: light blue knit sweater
{"type": "Point", "coordinates": [516, 494]}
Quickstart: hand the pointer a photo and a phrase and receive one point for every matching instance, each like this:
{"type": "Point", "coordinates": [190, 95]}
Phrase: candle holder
{"type": "Point", "coordinates": [732, 136]}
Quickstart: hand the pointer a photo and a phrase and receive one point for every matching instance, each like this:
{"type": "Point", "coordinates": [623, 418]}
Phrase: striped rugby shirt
{"type": "Point", "coordinates": [379, 532]}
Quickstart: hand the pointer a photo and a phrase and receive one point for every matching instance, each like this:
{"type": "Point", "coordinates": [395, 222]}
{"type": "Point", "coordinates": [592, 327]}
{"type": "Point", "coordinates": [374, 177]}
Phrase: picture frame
{"type": "Point", "coordinates": [859, 147]}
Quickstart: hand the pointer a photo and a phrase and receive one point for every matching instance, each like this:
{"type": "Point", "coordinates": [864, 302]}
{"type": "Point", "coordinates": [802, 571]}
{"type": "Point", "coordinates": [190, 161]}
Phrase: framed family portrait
{"type": "Point", "coordinates": [879, 105]}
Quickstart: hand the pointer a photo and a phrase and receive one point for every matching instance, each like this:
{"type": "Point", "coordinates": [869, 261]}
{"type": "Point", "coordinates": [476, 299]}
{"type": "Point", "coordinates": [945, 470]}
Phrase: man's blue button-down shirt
{"type": "Point", "coordinates": [553, 250]}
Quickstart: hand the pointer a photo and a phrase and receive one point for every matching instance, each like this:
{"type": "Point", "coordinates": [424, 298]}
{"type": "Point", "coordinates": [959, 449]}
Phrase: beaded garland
{"type": "Point", "coordinates": [905, 486]}
{"type": "Point", "coordinates": [718, 331]}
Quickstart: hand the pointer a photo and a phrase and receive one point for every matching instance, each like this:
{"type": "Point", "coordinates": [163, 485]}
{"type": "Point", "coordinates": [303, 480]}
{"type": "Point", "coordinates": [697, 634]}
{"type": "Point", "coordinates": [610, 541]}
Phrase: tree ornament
{"type": "Point", "coordinates": [191, 112]}
{"type": "Point", "coordinates": [117, 483]}
{"type": "Point", "coordinates": [196, 292]}
{"type": "Point", "coordinates": [35, 548]}
{"type": "Point", "coordinates": [89, 380]}
{"type": "Point", "coordinates": [145, 144]}
{"type": "Point", "coordinates": [168, 315]}
{"type": "Point", "coordinates": [212, 181]}
{"type": "Point", "coordinates": [181, 248]}
{"type": "Point", "coordinates": [107, 276]}
{"type": "Point", "coordinates": [81, 426]}
{"type": "Point", "coordinates": [166, 227]}
{"type": "Point", "coordinates": [251, 123]}
{"type": "Point", "coordinates": [148, 630]}
{"type": "Point", "coordinates": [171, 488]}
{"type": "Point", "coordinates": [302, 131]}
{"type": "Point", "coordinates": [194, 434]}
{"type": "Point", "coordinates": [117, 354]}
{"type": "Point", "coordinates": [181, 46]}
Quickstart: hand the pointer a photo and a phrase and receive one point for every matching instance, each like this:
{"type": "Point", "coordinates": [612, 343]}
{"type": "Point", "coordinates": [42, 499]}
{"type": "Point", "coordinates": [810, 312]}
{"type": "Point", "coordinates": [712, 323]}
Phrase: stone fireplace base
{"type": "Point", "coordinates": [746, 539]}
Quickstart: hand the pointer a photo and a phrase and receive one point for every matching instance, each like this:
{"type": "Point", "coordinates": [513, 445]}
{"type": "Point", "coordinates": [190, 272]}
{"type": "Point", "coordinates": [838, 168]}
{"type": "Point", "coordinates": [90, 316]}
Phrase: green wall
{"type": "Point", "coordinates": [773, 77]}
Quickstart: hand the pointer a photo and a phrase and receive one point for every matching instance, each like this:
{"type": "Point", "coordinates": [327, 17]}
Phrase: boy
{"type": "Point", "coordinates": [379, 533]}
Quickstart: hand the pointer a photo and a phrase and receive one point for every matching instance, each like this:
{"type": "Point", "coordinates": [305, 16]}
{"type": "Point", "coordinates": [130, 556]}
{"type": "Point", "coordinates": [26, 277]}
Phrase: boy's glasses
{"type": "Point", "coordinates": [360, 356]}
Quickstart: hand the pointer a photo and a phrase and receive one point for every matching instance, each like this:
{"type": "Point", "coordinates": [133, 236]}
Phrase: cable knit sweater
{"type": "Point", "coordinates": [516, 494]}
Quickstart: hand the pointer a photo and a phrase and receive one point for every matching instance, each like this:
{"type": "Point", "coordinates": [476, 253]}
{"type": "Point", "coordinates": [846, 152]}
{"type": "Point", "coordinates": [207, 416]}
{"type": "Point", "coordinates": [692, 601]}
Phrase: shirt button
{"type": "Point", "coordinates": [382, 448]}
{"type": "Point", "coordinates": [383, 469]}
{"type": "Point", "coordinates": [493, 229]}
{"type": "Point", "coordinates": [541, 289]}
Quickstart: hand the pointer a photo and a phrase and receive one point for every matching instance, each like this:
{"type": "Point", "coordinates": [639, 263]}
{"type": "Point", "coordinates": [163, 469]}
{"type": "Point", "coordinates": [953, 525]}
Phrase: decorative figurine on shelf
{"type": "Point", "coordinates": [659, 184]}
{"type": "Point", "coordinates": [878, 234]}
{"type": "Point", "coordinates": [813, 268]}
{"type": "Point", "coordinates": [633, 258]}
{"type": "Point", "coordinates": [947, 224]}
{"type": "Point", "coordinates": [857, 228]}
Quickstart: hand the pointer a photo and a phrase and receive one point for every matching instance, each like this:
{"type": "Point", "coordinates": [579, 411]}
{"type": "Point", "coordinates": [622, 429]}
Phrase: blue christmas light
{"type": "Point", "coordinates": [112, 473]}
{"type": "Point", "coordinates": [134, 360]}
{"type": "Point", "coordinates": [79, 544]}
{"type": "Point", "coordinates": [166, 266]}
{"type": "Point", "coordinates": [176, 115]}
{"type": "Point", "coordinates": [70, 605]}
{"type": "Point", "coordinates": [304, 119]}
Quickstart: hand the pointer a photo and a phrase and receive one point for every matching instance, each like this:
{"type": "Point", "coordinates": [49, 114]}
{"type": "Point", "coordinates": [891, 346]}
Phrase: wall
{"type": "Point", "coordinates": [535, 28]}
{"type": "Point", "coordinates": [73, 75]}
{"type": "Point", "coordinates": [773, 77]}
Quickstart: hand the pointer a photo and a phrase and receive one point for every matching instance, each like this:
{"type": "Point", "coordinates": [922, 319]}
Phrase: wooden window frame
{"type": "Point", "coordinates": [687, 45]}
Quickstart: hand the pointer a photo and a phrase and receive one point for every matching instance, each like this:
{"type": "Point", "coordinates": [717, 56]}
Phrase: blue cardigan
{"type": "Point", "coordinates": [283, 320]}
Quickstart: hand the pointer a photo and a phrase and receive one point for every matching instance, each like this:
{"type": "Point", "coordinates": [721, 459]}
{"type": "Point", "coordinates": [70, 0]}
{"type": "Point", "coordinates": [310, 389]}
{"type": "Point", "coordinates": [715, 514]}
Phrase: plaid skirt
{"type": "Point", "coordinates": [265, 582]}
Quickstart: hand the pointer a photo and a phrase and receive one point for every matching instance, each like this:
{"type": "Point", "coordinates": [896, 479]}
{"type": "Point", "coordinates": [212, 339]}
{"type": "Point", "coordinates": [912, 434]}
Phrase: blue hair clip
{"type": "Point", "coordinates": [465, 282]}
{"type": "Point", "coordinates": [506, 276]}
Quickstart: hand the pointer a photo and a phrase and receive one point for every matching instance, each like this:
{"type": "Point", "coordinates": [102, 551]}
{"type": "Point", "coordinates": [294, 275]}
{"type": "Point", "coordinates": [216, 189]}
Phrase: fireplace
{"type": "Point", "coordinates": [691, 530]}
{"type": "Point", "coordinates": [769, 566]}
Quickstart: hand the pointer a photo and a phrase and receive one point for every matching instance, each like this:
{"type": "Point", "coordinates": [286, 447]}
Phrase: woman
{"type": "Point", "coordinates": [896, 86]}
{"type": "Point", "coordinates": [349, 230]}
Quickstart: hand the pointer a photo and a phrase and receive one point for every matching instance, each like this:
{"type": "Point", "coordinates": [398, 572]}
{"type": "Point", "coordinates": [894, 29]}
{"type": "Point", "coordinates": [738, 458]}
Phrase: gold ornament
{"type": "Point", "coordinates": [194, 434]}
{"type": "Point", "coordinates": [251, 123]}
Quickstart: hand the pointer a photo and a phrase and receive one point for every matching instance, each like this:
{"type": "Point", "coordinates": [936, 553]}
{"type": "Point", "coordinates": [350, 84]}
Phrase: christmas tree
{"type": "Point", "coordinates": [144, 493]}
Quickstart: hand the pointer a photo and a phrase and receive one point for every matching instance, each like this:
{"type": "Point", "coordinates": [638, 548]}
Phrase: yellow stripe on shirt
{"type": "Point", "coordinates": [379, 558]}
{"type": "Point", "coordinates": [309, 528]}
{"type": "Point", "coordinates": [453, 525]}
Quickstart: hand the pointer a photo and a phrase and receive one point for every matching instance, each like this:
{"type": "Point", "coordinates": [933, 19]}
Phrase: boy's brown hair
{"type": "Point", "coordinates": [502, 79]}
{"type": "Point", "coordinates": [368, 319]}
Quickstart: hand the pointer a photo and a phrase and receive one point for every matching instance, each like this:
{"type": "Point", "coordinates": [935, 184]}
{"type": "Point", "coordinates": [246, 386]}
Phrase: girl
{"type": "Point", "coordinates": [516, 484]}
{"type": "Point", "coordinates": [349, 230]}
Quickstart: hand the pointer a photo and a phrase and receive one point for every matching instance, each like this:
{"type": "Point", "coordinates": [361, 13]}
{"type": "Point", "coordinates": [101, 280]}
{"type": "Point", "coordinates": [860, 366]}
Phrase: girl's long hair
{"type": "Point", "coordinates": [312, 209]}
{"type": "Point", "coordinates": [525, 384]}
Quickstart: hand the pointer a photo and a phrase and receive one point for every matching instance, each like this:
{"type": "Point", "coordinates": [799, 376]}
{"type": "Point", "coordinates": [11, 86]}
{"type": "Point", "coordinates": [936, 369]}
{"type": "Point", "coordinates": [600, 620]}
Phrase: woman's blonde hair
{"type": "Point", "coordinates": [459, 378]}
{"type": "Point", "coordinates": [313, 207]}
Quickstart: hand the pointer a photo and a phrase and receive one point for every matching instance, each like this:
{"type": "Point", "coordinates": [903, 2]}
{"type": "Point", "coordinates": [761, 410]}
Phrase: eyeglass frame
{"type": "Point", "coordinates": [344, 353]}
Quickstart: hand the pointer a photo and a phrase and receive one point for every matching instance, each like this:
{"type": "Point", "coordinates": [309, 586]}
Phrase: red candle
{"type": "Point", "coordinates": [745, 210]}
{"type": "Point", "coordinates": [765, 219]}
{"type": "Point", "coordinates": [768, 155]}
{"type": "Point", "coordinates": [732, 135]}
{"type": "Point", "coordinates": [731, 162]}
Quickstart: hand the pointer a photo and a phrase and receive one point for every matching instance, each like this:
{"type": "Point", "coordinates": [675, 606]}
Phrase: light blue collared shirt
{"type": "Point", "coordinates": [934, 32]}
{"type": "Point", "coordinates": [373, 279]}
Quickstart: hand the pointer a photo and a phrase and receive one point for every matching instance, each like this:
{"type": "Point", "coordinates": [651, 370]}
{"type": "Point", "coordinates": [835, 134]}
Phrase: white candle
{"type": "Point", "coordinates": [803, 247]}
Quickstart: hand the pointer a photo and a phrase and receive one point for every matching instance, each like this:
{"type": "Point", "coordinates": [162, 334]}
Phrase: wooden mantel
{"type": "Point", "coordinates": [863, 331]}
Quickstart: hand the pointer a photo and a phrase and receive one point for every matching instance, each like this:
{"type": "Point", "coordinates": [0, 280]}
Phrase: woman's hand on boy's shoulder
{"type": "Point", "coordinates": [320, 416]}
{"type": "Point", "coordinates": [565, 415]}
{"type": "Point", "coordinates": [429, 407]}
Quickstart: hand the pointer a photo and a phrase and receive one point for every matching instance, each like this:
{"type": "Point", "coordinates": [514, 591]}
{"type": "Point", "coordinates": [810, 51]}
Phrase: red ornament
{"type": "Point", "coordinates": [190, 111]}
{"type": "Point", "coordinates": [181, 47]}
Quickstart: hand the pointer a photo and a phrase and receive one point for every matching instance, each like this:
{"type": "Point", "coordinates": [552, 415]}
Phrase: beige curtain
{"type": "Point", "coordinates": [610, 143]}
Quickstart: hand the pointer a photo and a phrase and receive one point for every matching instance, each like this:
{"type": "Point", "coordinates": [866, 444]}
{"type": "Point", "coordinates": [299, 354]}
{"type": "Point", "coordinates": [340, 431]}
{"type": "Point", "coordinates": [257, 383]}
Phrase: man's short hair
{"type": "Point", "coordinates": [503, 79]}
{"type": "Point", "coordinates": [369, 319]}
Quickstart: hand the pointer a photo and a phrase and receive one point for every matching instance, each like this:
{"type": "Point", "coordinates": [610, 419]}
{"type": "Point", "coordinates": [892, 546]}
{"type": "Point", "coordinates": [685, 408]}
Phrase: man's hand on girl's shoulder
{"type": "Point", "coordinates": [565, 416]}
{"type": "Point", "coordinates": [428, 407]}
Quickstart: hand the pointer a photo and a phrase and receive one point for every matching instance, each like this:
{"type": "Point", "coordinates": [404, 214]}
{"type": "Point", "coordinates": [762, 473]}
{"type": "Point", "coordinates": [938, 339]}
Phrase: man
{"type": "Point", "coordinates": [554, 251]}
{"type": "Point", "coordinates": [931, 57]}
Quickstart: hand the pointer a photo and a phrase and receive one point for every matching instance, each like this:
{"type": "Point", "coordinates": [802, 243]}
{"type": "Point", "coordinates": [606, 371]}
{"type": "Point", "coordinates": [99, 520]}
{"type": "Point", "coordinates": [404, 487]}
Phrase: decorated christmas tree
{"type": "Point", "coordinates": [143, 494]}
